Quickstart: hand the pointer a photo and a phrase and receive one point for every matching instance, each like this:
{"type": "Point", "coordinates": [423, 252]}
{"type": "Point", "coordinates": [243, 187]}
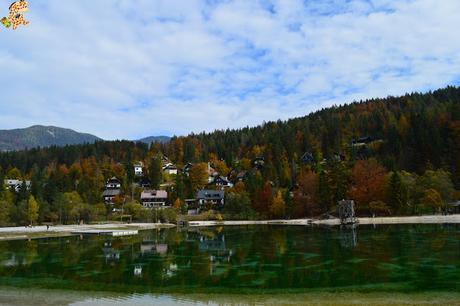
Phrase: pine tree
{"type": "Point", "coordinates": [395, 192]}
{"type": "Point", "coordinates": [155, 172]}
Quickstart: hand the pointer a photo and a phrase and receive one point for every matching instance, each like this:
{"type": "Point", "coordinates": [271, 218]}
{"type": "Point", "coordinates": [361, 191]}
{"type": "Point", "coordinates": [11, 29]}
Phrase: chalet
{"type": "Point", "coordinates": [138, 169]}
{"type": "Point", "coordinates": [221, 182]}
{"type": "Point", "coordinates": [307, 158]}
{"type": "Point", "coordinates": [212, 173]}
{"type": "Point", "coordinates": [154, 198]}
{"type": "Point", "coordinates": [187, 168]}
{"type": "Point", "coordinates": [109, 195]}
{"type": "Point", "coordinates": [170, 169]}
{"type": "Point", "coordinates": [213, 197]}
{"type": "Point", "coordinates": [16, 185]}
{"type": "Point", "coordinates": [113, 183]}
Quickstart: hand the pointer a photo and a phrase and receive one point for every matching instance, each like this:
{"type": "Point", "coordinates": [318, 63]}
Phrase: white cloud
{"type": "Point", "coordinates": [126, 69]}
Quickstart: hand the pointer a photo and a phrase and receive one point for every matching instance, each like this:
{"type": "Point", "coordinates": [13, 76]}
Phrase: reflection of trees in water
{"type": "Point", "coordinates": [250, 257]}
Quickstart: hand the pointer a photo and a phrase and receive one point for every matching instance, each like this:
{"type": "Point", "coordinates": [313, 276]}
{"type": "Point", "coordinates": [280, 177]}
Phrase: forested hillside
{"type": "Point", "coordinates": [41, 136]}
{"type": "Point", "coordinates": [398, 155]}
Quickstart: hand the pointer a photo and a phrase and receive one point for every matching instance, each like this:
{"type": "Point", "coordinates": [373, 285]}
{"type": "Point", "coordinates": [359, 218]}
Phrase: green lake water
{"type": "Point", "coordinates": [164, 266]}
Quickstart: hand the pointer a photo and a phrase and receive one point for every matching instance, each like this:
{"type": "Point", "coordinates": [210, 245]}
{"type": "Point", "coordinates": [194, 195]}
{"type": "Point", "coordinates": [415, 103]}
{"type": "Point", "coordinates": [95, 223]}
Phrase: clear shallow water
{"type": "Point", "coordinates": [235, 260]}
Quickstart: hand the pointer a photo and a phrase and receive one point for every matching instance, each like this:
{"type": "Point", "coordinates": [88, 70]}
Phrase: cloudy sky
{"type": "Point", "coordinates": [134, 68]}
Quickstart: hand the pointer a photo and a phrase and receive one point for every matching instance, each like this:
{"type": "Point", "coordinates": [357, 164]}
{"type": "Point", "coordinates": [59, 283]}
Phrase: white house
{"type": "Point", "coordinates": [169, 168]}
{"type": "Point", "coordinates": [138, 169]}
{"type": "Point", "coordinates": [16, 184]}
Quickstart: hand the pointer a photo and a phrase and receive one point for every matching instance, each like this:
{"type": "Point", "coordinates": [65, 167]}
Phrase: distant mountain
{"type": "Point", "coordinates": [161, 139]}
{"type": "Point", "coordinates": [41, 136]}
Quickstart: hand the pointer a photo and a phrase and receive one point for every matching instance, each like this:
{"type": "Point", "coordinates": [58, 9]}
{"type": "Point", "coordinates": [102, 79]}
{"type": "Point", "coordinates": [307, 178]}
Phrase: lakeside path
{"type": "Point", "coordinates": [17, 233]}
{"type": "Point", "coordinates": [378, 220]}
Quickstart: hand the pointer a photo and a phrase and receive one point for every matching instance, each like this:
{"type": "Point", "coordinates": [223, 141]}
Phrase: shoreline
{"type": "Point", "coordinates": [37, 232]}
{"type": "Point", "coordinates": [430, 219]}
{"type": "Point", "coordinates": [40, 296]}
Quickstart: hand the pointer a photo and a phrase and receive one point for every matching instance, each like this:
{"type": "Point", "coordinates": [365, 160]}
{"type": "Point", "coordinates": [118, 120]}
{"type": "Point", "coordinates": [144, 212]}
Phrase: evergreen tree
{"type": "Point", "coordinates": [395, 192]}
{"type": "Point", "coordinates": [324, 192]}
{"type": "Point", "coordinates": [155, 172]}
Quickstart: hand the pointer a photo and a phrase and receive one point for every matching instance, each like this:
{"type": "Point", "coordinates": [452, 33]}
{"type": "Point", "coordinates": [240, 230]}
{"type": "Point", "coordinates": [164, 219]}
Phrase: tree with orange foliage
{"type": "Point", "coordinates": [368, 183]}
{"type": "Point", "coordinates": [199, 176]}
{"type": "Point", "coordinates": [306, 197]}
{"type": "Point", "coordinates": [263, 199]}
{"type": "Point", "coordinates": [278, 207]}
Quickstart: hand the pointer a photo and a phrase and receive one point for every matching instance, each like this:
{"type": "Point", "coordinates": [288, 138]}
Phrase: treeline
{"type": "Point", "coordinates": [399, 155]}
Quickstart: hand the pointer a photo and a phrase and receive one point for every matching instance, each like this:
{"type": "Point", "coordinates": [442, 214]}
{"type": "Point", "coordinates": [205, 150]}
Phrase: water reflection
{"type": "Point", "coordinates": [411, 257]}
{"type": "Point", "coordinates": [111, 255]}
{"type": "Point", "coordinates": [219, 254]}
{"type": "Point", "coordinates": [349, 236]}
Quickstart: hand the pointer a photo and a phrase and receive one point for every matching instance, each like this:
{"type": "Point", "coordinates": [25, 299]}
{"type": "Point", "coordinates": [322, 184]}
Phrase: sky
{"type": "Point", "coordinates": [124, 69]}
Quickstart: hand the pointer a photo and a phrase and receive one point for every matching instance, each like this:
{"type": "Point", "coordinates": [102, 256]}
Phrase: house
{"type": "Point", "coordinates": [212, 173]}
{"type": "Point", "coordinates": [113, 183]}
{"type": "Point", "coordinates": [170, 169]}
{"type": "Point", "coordinates": [307, 158]}
{"type": "Point", "coordinates": [213, 197]}
{"type": "Point", "coordinates": [154, 198]}
{"type": "Point", "coordinates": [109, 195]}
{"type": "Point", "coordinates": [138, 169]}
{"type": "Point", "coordinates": [16, 185]}
{"type": "Point", "coordinates": [221, 182]}
{"type": "Point", "coordinates": [187, 168]}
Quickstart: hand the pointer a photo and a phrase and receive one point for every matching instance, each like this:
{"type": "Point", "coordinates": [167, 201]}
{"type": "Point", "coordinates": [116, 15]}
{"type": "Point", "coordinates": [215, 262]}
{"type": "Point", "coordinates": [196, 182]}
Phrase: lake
{"type": "Point", "coordinates": [228, 265]}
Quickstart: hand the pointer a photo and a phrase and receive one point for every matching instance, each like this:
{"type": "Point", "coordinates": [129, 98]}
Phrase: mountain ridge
{"type": "Point", "coordinates": [42, 136]}
{"type": "Point", "coordinates": [48, 135]}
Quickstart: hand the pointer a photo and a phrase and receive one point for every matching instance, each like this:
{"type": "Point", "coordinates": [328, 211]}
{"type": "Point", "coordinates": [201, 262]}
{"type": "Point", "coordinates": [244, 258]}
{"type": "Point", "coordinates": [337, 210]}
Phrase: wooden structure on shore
{"type": "Point", "coordinates": [113, 233]}
{"type": "Point", "coordinates": [346, 211]}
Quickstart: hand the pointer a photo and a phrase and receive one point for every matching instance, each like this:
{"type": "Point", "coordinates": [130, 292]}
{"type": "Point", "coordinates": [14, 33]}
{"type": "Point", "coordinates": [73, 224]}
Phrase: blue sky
{"type": "Point", "coordinates": [129, 69]}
